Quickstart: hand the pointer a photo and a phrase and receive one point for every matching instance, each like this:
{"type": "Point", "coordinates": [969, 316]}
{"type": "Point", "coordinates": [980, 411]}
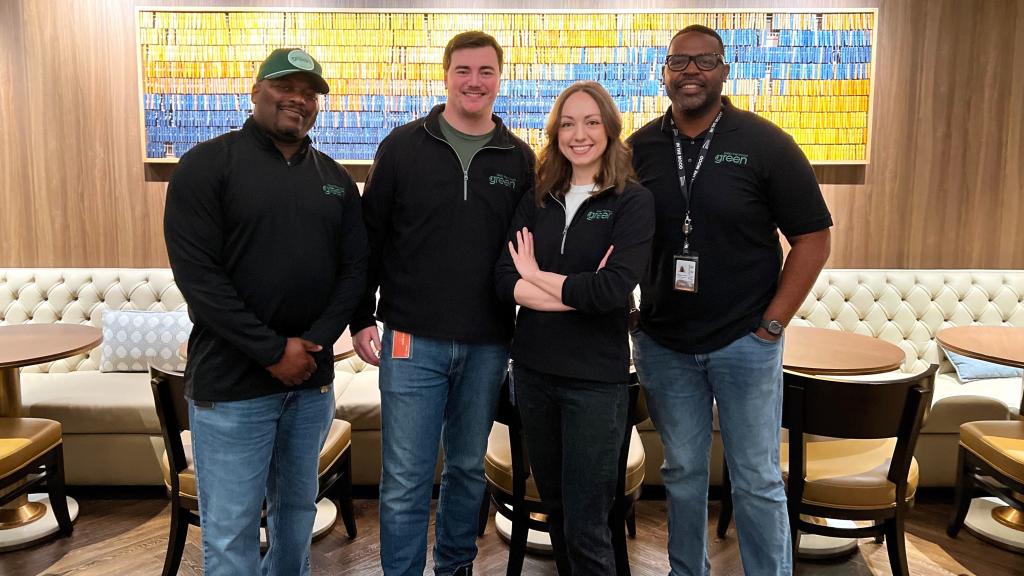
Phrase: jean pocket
{"type": "Point", "coordinates": [764, 341]}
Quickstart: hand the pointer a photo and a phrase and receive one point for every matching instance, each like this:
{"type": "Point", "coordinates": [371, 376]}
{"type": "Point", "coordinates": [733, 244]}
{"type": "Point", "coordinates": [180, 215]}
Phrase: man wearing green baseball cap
{"type": "Point", "coordinates": [266, 241]}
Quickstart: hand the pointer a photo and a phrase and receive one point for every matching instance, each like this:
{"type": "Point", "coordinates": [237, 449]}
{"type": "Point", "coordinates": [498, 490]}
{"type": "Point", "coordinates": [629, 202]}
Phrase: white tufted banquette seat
{"type": "Point", "coordinates": [907, 308]}
{"type": "Point", "coordinates": [112, 435]}
{"type": "Point", "coordinates": [111, 431]}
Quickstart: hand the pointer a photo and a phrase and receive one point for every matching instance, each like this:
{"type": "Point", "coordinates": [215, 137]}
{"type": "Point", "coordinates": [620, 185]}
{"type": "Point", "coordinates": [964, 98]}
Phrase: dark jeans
{"type": "Point", "coordinates": [574, 431]}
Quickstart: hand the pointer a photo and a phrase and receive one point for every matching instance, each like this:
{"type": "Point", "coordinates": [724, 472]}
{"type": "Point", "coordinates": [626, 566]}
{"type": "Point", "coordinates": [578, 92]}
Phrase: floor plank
{"type": "Point", "coordinates": [124, 532]}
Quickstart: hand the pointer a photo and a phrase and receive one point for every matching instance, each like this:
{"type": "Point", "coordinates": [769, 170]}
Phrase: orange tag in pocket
{"type": "Point", "coordinates": [401, 345]}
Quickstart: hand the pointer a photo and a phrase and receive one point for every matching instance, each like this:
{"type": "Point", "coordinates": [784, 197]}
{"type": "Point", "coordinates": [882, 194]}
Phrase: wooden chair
{"type": "Point", "coordinates": [991, 461]}
{"type": "Point", "coordinates": [865, 470]}
{"type": "Point", "coordinates": [335, 475]}
{"type": "Point", "coordinates": [32, 458]}
{"type": "Point", "coordinates": [511, 488]}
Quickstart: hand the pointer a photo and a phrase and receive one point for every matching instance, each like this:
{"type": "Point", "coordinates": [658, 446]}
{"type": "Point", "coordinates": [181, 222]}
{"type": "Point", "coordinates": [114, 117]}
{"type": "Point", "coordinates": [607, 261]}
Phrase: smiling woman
{"type": "Point", "coordinates": [576, 250]}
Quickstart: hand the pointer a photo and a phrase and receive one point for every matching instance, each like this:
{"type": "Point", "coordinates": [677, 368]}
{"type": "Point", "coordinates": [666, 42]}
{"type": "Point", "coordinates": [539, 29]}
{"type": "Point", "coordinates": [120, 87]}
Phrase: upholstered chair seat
{"type": "Point", "coordinates": [339, 438]}
{"type": "Point", "coordinates": [498, 463]}
{"type": "Point", "coordinates": [22, 440]}
{"type": "Point", "coordinates": [851, 473]}
{"type": "Point", "coordinates": [999, 443]}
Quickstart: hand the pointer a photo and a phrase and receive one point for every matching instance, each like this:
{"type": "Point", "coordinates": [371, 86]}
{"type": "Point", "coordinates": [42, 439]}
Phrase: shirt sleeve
{"type": "Point", "coordinates": [505, 274]}
{"type": "Point", "coordinates": [377, 207]}
{"type": "Point", "coordinates": [349, 287]}
{"type": "Point", "coordinates": [193, 231]}
{"type": "Point", "coordinates": [609, 288]}
{"type": "Point", "coordinates": [794, 196]}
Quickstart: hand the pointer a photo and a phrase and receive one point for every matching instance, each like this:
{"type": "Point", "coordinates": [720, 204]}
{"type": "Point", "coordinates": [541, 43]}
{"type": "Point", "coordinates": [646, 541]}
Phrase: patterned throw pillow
{"type": "Point", "coordinates": [134, 339]}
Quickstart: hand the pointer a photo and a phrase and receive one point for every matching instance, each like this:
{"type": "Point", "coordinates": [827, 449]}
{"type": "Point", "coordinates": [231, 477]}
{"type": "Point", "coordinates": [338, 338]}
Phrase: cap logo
{"type": "Point", "coordinates": [300, 60]}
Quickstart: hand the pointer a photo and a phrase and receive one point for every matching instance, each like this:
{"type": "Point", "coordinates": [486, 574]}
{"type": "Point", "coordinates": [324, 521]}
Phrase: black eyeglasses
{"type": "Point", "coordinates": [705, 62]}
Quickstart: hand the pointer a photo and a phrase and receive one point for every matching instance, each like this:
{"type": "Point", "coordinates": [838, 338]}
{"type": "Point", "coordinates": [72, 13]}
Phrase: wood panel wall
{"type": "Point", "coordinates": [942, 190]}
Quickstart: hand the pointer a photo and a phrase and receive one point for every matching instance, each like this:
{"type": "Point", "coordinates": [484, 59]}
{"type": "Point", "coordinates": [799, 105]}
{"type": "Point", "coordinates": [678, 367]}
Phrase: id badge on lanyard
{"type": "Point", "coordinates": [686, 265]}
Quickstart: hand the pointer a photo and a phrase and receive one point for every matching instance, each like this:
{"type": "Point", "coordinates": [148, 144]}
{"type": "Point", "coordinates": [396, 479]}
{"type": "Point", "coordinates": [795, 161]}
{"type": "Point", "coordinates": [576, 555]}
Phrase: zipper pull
{"type": "Point", "coordinates": [465, 185]}
{"type": "Point", "coordinates": [565, 231]}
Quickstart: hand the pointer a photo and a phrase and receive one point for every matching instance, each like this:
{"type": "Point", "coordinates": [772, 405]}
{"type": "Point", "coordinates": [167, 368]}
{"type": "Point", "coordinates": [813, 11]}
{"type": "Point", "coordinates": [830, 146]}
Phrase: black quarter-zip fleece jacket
{"type": "Point", "coordinates": [435, 231]}
{"type": "Point", "coordinates": [263, 249]}
{"type": "Point", "coordinates": [592, 341]}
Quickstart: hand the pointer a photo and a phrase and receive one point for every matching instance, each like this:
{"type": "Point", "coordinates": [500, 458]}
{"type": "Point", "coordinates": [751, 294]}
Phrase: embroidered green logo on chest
{"type": "Point", "coordinates": [600, 214]}
{"type": "Point", "coordinates": [334, 190]}
{"type": "Point", "coordinates": [733, 157]}
{"type": "Point", "coordinates": [503, 180]}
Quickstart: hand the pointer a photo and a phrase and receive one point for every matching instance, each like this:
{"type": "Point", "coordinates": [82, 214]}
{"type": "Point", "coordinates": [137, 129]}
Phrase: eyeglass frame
{"type": "Point", "coordinates": [719, 61]}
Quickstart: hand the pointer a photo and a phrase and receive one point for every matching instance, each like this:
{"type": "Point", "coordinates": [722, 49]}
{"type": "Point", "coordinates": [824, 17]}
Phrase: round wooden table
{"type": "Point", "coordinates": [988, 518]}
{"type": "Point", "coordinates": [21, 345]}
{"type": "Point", "coordinates": [997, 344]}
{"type": "Point", "coordinates": [29, 344]}
{"type": "Point", "coordinates": [821, 351]}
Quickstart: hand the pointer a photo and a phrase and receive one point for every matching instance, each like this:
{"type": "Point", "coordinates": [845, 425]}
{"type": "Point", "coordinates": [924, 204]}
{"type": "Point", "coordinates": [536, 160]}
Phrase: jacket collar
{"type": "Point", "coordinates": [263, 140]}
{"type": "Point", "coordinates": [728, 122]}
{"type": "Point", "coordinates": [500, 138]}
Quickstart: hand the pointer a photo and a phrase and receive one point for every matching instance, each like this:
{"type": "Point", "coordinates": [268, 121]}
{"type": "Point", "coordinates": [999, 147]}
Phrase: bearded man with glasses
{"type": "Point", "coordinates": [716, 298]}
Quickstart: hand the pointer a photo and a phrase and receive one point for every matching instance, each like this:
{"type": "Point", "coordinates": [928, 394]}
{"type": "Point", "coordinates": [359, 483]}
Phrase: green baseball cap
{"type": "Point", "coordinates": [285, 61]}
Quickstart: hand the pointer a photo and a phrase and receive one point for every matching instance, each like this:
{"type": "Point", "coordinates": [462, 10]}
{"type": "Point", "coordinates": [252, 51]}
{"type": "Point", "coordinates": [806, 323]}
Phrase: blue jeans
{"type": "Point", "coordinates": [444, 392]}
{"type": "Point", "coordinates": [250, 449]}
{"type": "Point", "coordinates": [745, 380]}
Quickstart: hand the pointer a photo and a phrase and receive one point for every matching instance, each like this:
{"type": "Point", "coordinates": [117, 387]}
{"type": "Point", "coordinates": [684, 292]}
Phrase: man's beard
{"type": "Point", "coordinates": [288, 136]}
{"type": "Point", "coordinates": [695, 105]}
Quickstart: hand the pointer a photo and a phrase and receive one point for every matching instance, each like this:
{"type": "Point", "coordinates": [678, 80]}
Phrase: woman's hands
{"type": "Point", "coordinates": [526, 262]}
{"type": "Point", "coordinates": [523, 258]}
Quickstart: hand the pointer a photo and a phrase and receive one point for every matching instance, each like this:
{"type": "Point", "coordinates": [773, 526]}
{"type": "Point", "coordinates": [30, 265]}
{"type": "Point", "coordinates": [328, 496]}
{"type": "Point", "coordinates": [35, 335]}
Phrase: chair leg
{"type": "Point", "coordinates": [794, 526]}
{"type": "Point", "coordinates": [344, 492]}
{"type": "Point", "coordinates": [485, 511]}
{"type": "Point", "coordinates": [725, 513]}
{"type": "Point", "coordinates": [617, 524]}
{"type": "Point", "coordinates": [895, 545]}
{"type": "Point", "coordinates": [631, 520]}
{"type": "Point", "coordinates": [517, 544]}
{"type": "Point", "coordinates": [176, 539]}
{"type": "Point", "coordinates": [55, 488]}
{"type": "Point", "coordinates": [962, 497]}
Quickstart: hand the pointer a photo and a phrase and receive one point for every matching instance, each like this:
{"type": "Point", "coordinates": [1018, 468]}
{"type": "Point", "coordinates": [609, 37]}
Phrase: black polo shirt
{"type": "Point", "coordinates": [754, 182]}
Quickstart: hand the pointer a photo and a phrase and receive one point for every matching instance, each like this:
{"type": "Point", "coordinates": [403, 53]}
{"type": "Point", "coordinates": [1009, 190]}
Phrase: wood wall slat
{"type": "Point", "coordinates": [943, 189]}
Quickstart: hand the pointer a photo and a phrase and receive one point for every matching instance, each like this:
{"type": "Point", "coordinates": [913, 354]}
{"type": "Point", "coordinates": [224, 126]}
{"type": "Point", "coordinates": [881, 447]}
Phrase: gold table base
{"type": "Point", "coordinates": [20, 512]}
{"type": "Point", "coordinates": [1009, 517]}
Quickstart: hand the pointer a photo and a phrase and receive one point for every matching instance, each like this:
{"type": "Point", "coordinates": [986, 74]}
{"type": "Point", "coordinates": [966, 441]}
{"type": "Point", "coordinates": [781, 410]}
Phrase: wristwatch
{"type": "Point", "coordinates": [774, 327]}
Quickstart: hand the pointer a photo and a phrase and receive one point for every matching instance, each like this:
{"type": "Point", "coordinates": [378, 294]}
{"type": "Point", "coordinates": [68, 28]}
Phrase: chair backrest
{"type": "Point", "coordinates": [857, 409]}
{"type": "Point", "coordinates": [172, 410]}
{"type": "Point", "coordinates": [638, 411]}
{"type": "Point", "coordinates": [850, 409]}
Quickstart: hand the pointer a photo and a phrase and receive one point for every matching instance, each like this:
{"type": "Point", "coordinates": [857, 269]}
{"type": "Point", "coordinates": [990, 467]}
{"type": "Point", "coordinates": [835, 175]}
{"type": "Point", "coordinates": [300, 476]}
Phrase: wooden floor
{"type": "Point", "coordinates": [126, 534]}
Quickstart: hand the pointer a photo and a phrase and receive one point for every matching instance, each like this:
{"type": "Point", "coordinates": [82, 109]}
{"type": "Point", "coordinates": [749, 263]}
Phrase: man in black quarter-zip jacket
{"type": "Point", "coordinates": [437, 205]}
{"type": "Point", "coordinates": [266, 241]}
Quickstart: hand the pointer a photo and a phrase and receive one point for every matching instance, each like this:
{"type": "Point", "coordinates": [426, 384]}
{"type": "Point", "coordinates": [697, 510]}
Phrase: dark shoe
{"type": "Point", "coordinates": [466, 570]}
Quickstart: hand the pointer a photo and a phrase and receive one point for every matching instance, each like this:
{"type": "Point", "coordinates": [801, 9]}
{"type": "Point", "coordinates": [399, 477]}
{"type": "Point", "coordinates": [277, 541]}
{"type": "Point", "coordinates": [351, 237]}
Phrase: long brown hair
{"type": "Point", "coordinates": [554, 171]}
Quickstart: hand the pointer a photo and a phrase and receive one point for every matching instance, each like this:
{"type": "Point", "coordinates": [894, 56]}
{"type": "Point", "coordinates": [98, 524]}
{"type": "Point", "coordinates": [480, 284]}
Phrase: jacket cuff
{"type": "Point", "coordinates": [570, 291]}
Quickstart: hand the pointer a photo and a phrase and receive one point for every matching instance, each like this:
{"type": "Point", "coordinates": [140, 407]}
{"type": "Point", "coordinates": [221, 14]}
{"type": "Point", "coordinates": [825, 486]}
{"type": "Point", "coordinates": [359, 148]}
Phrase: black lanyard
{"type": "Point", "coordinates": [687, 186]}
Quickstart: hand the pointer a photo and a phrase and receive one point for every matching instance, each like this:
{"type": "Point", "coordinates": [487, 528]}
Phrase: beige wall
{"type": "Point", "coordinates": [942, 190]}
